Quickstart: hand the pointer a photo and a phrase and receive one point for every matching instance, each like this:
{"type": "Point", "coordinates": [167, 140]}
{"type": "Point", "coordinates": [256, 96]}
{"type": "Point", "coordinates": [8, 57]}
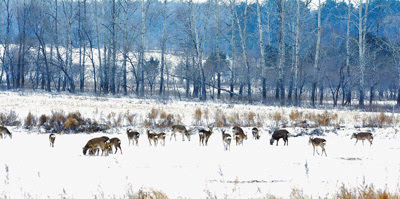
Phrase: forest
{"type": "Point", "coordinates": [283, 52]}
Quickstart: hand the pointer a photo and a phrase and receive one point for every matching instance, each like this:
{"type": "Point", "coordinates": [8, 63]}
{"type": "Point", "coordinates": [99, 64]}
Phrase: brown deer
{"type": "Point", "coordinates": [226, 139]}
{"type": "Point", "coordinates": [105, 138]}
{"type": "Point", "coordinates": [284, 134]}
{"type": "Point", "coordinates": [52, 138]}
{"type": "Point", "coordinates": [116, 142]}
{"type": "Point", "coordinates": [205, 135]}
{"type": "Point", "coordinates": [256, 134]}
{"type": "Point", "coordinates": [133, 135]}
{"type": "Point", "coordinates": [239, 135]}
{"type": "Point", "coordinates": [318, 142]}
{"type": "Point", "coordinates": [363, 136]}
{"type": "Point", "coordinates": [152, 137]}
{"type": "Point", "coordinates": [180, 129]}
{"type": "Point", "coordinates": [161, 136]}
{"type": "Point", "coordinates": [94, 144]}
{"type": "Point", "coordinates": [5, 131]}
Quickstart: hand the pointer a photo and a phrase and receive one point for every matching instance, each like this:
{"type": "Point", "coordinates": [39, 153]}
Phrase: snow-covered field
{"type": "Point", "coordinates": [30, 168]}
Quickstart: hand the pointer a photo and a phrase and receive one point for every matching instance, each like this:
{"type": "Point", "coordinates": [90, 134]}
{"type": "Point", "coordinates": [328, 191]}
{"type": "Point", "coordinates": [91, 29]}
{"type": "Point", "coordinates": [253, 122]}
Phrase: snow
{"type": "Point", "coordinates": [29, 167]}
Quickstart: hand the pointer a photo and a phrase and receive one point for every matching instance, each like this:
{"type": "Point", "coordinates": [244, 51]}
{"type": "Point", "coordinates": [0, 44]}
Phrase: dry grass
{"type": "Point", "coordinates": [364, 192]}
{"type": "Point", "coordinates": [146, 194]}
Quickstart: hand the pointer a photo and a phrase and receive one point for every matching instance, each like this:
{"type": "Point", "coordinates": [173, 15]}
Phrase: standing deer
{"type": "Point", "coordinates": [116, 142]}
{"type": "Point", "coordinates": [363, 136]}
{"type": "Point", "coordinates": [239, 135]}
{"type": "Point", "coordinates": [284, 134]}
{"type": "Point", "coordinates": [318, 142]}
{"type": "Point", "coordinates": [161, 136]}
{"type": "Point", "coordinates": [204, 135]}
{"type": "Point", "coordinates": [5, 131]}
{"type": "Point", "coordinates": [133, 135]}
{"type": "Point", "coordinates": [180, 129]}
{"type": "Point", "coordinates": [256, 134]}
{"type": "Point", "coordinates": [94, 144]}
{"type": "Point", "coordinates": [226, 139]}
{"type": "Point", "coordinates": [152, 137]}
{"type": "Point", "coordinates": [52, 138]}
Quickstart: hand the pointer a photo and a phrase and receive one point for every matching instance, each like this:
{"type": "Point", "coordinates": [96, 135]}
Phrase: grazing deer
{"type": "Point", "coordinates": [5, 131]}
{"type": "Point", "coordinates": [239, 135]}
{"type": "Point", "coordinates": [226, 139]}
{"type": "Point", "coordinates": [116, 142]}
{"type": "Point", "coordinates": [205, 135]}
{"type": "Point", "coordinates": [363, 136]}
{"type": "Point", "coordinates": [133, 135]}
{"type": "Point", "coordinates": [256, 134]}
{"type": "Point", "coordinates": [105, 138]}
{"type": "Point", "coordinates": [284, 134]}
{"type": "Point", "coordinates": [318, 142]}
{"type": "Point", "coordinates": [94, 144]}
{"type": "Point", "coordinates": [52, 138]}
{"type": "Point", "coordinates": [180, 129]}
{"type": "Point", "coordinates": [161, 136]}
{"type": "Point", "coordinates": [152, 136]}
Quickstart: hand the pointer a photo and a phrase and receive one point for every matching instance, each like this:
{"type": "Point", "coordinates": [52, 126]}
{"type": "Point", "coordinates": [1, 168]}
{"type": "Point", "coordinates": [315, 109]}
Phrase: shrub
{"type": "Point", "coordinates": [130, 118]}
{"type": "Point", "coordinates": [326, 118]}
{"type": "Point", "coordinates": [220, 119]}
{"type": "Point", "coordinates": [166, 120]}
{"type": "Point", "coordinates": [277, 117]}
{"type": "Point", "coordinates": [10, 119]}
{"type": "Point", "coordinates": [251, 116]}
{"type": "Point", "coordinates": [197, 116]}
{"type": "Point", "coordinates": [234, 119]}
{"type": "Point", "coordinates": [43, 120]}
{"type": "Point", "coordinates": [30, 121]}
{"type": "Point", "coordinates": [57, 120]}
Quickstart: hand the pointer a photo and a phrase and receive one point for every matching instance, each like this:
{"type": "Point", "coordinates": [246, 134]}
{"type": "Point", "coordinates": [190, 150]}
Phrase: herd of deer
{"type": "Point", "coordinates": [106, 145]}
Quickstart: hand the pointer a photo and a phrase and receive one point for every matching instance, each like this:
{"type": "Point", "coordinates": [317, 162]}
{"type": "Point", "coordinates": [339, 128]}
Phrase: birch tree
{"type": "Point", "coordinates": [281, 56]}
{"type": "Point", "coordinates": [362, 29]}
{"type": "Point", "coordinates": [316, 60]}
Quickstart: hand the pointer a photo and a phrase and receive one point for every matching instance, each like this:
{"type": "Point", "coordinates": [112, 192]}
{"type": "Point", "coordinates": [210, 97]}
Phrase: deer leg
{"type": "Point", "coordinates": [120, 148]}
{"type": "Point", "coordinates": [363, 142]}
{"type": "Point", "coordinates": [323, 150]}
{"type": "Point", "coordinates": [370, 141]}
{"type": "Point", "coordinates": [313, 150]}
{"type": "Point", "coordinates": [356, 142]}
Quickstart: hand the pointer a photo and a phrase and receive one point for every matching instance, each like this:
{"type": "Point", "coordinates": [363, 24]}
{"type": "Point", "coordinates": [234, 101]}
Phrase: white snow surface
{"type": "Point", "coordinates": [29, 167]}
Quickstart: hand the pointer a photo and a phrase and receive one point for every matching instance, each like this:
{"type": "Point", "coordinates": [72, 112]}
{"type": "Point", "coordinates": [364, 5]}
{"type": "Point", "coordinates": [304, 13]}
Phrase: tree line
{"type": "Point", "coordinates": [286, 51]}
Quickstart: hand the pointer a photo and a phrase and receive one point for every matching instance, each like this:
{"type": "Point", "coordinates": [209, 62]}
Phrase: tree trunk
{"type": "Point", "coordinates": [348, 86]}
{"type": "Point", "coordinates": [261, 45]}
{"type": "Point", "coordinates": [163, 45]}
{"type": "Point", "coordinates": [281, 57]}
{"type": "Point", "coordinates": [316, 61]}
